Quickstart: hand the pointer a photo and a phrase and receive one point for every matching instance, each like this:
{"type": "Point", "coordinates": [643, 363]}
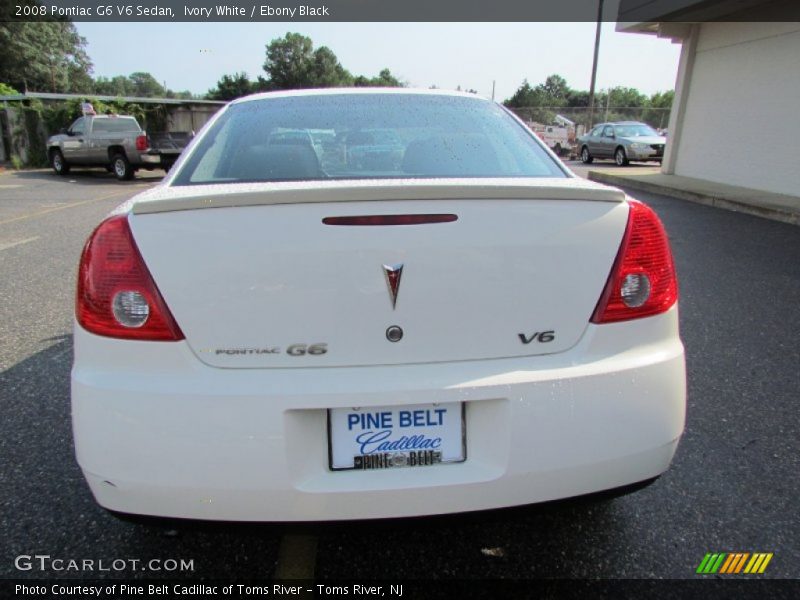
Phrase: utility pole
{"type": "Point", "coordinates": [594, 63]}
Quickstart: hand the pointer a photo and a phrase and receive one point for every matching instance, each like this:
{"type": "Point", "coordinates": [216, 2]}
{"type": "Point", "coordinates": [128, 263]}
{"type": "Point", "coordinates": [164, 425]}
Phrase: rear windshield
{"type": "Point", "coordinates": [364, 136]}
{"type": "Point", "coordinates": [114, 125]}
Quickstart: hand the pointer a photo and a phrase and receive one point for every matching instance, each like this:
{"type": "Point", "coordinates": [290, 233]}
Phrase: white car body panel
{"type": "Point", "coordinates": [176, 429]}
{"type": "Point", "coordinates": [159, 433]}
{"type": "Point", "coordinates": [167, 199]}
{"type": "Point", "coordinates": [267, 277]}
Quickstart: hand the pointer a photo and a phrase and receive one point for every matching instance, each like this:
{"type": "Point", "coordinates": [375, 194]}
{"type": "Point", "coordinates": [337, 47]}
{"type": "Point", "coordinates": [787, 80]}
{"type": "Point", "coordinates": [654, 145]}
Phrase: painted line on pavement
{"type": "Point", "coordinates": [8, 245]}
{"type": "Point", "coordinates": [63, 207]}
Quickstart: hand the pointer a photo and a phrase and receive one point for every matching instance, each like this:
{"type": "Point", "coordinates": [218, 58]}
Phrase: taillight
{"type": "Point", "coordinates": [117, 296]}
{"type": "Point", "coordinates": [142, 143]}
{"type": "Point", "coordinates": [642, 281]}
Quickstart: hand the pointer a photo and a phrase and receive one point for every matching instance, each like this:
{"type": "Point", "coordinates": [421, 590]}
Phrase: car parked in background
{"type": "Point", "coordinates": [623, 142]}
{"type": "Point", "coordinates": [116, 142]}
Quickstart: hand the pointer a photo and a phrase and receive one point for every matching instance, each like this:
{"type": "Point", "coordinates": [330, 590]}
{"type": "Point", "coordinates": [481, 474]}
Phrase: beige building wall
{"type": "Point", "coordinates": [738, 114]}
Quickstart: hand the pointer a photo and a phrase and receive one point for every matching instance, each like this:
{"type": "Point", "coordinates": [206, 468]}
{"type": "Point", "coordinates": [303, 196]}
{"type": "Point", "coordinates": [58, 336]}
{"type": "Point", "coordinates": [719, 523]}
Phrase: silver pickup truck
{"type": "Point", "coordinates": [114, 142]}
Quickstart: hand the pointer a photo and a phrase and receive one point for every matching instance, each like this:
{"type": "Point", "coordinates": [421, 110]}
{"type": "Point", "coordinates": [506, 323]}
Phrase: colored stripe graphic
{"type": "Point", "coordinates": [729, 563]}
{"type": "Point", "coordinates": [734, 563]}
{"type": "Point", "coordinates": [711, 563]}
{"type": "Point", "coordinates": [740, 563]}
{"type": "Point", "coordinates": [715, 567]}
{"type": "Point", "coordinates": [759, 562]}
{"type": "Point", "coordinates": [703, 563]}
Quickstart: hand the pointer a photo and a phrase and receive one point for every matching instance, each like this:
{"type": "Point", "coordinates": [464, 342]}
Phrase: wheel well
{"type": "Point", "coordinates": [112, 150]}
{"type": "Point", "coordinates": [621, 148]}
{"type": "Point", "coordinates": [52, 150]}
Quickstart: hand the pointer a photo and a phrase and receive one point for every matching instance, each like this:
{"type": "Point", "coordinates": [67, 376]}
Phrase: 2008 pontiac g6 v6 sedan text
{"type": "Point", "coordinates": [353, 304]}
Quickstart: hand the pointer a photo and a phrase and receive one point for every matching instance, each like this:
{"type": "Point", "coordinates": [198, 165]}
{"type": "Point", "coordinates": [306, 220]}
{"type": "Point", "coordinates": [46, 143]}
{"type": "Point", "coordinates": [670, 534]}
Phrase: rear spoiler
{"type": "Point", "coordinates": [174, 198]}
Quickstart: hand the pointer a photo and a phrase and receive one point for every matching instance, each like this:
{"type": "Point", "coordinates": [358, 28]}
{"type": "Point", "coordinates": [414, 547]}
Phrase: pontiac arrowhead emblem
{"type": "Point", "coordinates": [393, 274]}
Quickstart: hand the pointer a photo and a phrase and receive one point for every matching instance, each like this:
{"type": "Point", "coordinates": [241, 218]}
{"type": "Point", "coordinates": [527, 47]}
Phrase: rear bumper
{"type": "Point", "coordinates": [150, 159]}
{"type": "Point", "coordinates": [159, 433]}
{"type": "Point", "coordinates": [158, 158]}
{"type": "Point", "coordinates": [644, 154]}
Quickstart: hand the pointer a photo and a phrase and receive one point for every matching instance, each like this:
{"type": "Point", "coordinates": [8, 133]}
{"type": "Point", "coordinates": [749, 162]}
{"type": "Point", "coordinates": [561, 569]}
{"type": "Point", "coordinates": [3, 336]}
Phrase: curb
{"type": "Point", "coordinates": [766, 212]}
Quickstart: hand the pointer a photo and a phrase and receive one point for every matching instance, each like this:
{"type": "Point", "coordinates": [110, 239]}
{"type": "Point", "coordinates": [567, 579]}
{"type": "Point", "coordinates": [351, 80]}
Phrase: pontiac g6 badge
{"type": "Point", "coordinates": [393, 274]}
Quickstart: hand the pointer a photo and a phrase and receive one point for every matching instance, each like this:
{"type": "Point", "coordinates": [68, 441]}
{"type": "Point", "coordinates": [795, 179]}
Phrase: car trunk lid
{"type": "Point", "coordinates": [262, 282]}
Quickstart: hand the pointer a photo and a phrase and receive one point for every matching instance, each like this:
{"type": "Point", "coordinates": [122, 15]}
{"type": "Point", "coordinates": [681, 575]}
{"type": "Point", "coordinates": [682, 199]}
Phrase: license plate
{"type": "Point", "coordinates": [386, 437]}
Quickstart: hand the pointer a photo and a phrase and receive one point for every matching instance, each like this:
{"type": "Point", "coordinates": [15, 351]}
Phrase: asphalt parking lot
{"type": "Point", "coordinates": [733, 486]}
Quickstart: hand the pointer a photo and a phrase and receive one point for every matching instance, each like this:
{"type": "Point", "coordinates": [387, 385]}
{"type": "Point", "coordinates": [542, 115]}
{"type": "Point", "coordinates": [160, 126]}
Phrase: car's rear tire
{"type": "Point", "coordinates": [620, 157]}
{"type": "Point", "coordinates": [586, 158]}
{"type": "Point", "coordinates": [58, 163]}
{"type": "Point", "coordinates": [121, 167]}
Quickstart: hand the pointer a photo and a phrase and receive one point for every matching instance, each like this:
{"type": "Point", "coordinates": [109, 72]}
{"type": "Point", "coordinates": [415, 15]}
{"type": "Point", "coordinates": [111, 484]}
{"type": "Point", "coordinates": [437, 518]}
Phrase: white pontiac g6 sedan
{"type": "Point", "coordinates": [309, 321]}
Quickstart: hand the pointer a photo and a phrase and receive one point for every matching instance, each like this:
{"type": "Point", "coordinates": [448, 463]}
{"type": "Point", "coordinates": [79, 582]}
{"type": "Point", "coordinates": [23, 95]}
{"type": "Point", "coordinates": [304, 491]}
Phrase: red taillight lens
{"type": "Point", "coordinates": [142, 143]}
{"type": "Point", "coordinates": [642, 281]}
{"type": "Point", "coordinates": [117, 296]}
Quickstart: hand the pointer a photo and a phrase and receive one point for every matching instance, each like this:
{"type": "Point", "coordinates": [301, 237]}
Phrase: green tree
{"type": "Point", "coordinates": [292, 63]}
{"type": "Point", "coordinates": [261, 84]}
{"type": "Point", "coordinates": [662, 99]}
{"type": "Point", "coordinates": [578, 98]}
{"type": "Point", "coordinates": [146, 86]}
{"type": "Point", "coordinates": [525, 96]}
{"type": "Point", "coordinates": [626, 97]}
{"type": "Point", "coordinates": [384, 79]}
{"type": "Point", "coordinates": [327, 71]}
{"type": "Point", "coordinates": [230, 87]}
{"type": "Point", "coordinates": [289, 61]}
{"type": "Point", "coordinates": [44, 56]}
{"type": "Point", "coordinates": [118, 85]}
{"type": "Point", "coordinates": [660, 105]}
{"type": "Point", "coordinates": [554, 90]}
{"type": "Point", "coordinates": [7, 90]}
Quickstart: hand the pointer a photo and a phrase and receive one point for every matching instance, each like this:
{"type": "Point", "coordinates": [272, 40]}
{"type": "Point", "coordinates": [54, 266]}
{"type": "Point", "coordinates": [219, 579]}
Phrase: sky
{"type": "Point", "coordinates": [193, 56]}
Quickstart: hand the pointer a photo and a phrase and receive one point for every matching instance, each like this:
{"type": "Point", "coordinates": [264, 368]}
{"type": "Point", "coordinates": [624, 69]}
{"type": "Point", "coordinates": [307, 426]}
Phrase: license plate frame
{"type": "Point", "coordinates": [462, 438]}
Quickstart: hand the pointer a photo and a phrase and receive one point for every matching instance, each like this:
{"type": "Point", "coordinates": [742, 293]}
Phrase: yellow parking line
{"type": "Point", "coordinates": [9, 245]}
{"type": "Point", "coordinates": [297, 557]}
{"type": "Point", "coordinates": [63, 207]}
